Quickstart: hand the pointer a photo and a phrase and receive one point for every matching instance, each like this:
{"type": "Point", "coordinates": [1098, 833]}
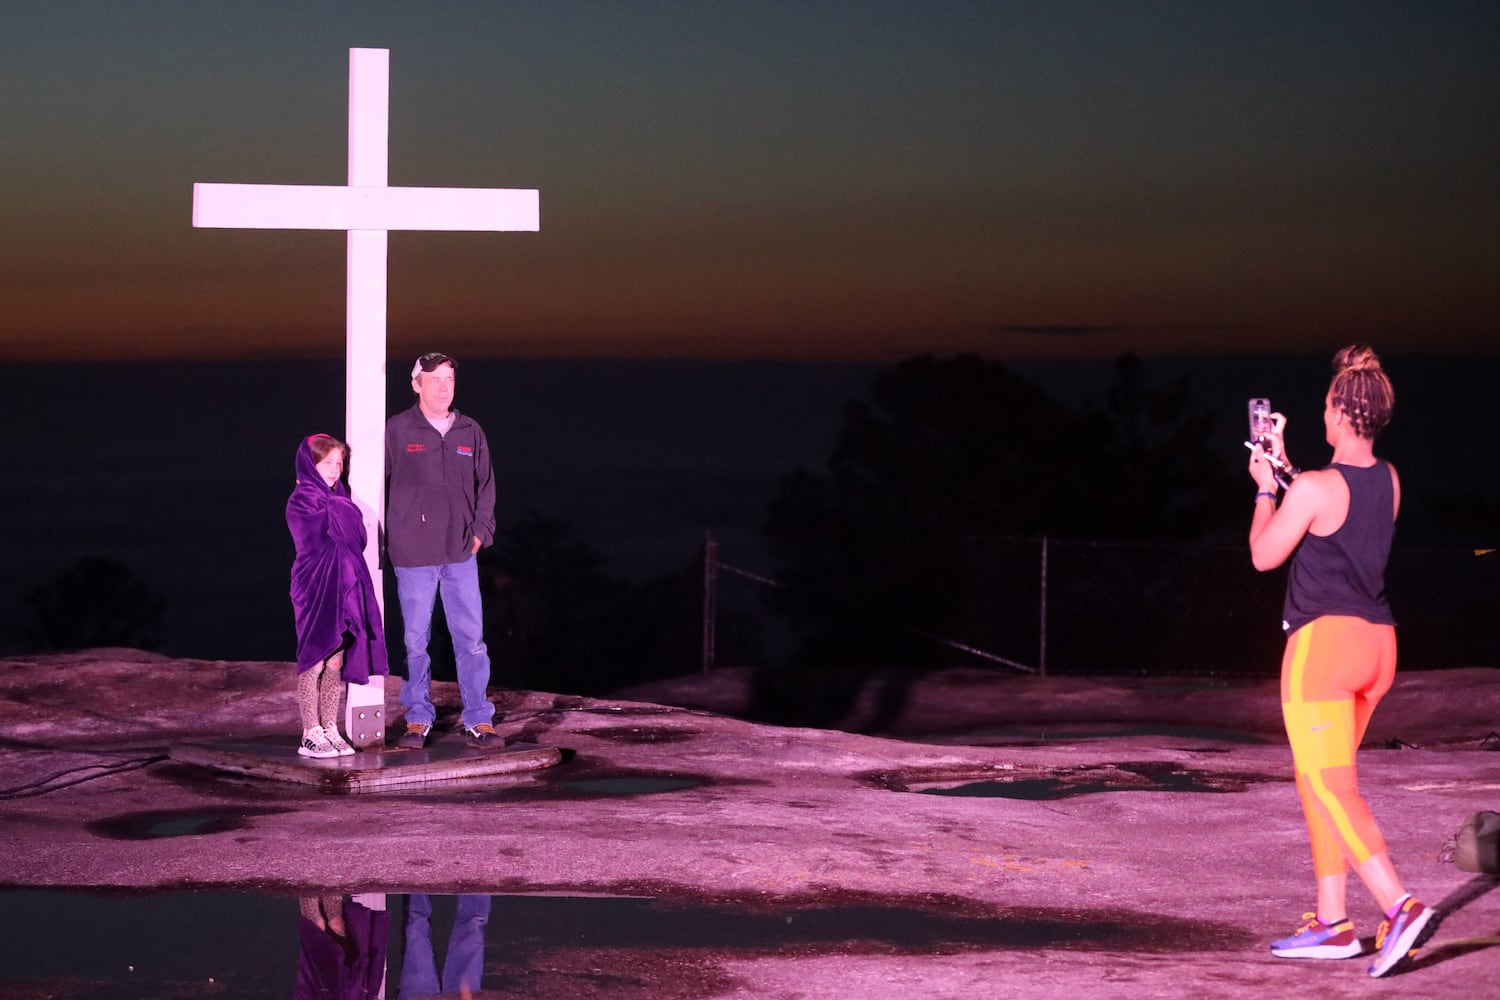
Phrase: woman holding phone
{"type": "Point", "coordinates": [1336, 525]}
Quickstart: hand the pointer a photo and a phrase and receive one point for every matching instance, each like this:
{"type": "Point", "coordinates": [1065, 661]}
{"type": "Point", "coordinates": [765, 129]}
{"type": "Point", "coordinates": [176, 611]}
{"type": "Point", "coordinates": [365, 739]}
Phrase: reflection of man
{"type": "Point", "coordinates": [440, 511]}
{"type": "Point", "coordinates": [464, 965]}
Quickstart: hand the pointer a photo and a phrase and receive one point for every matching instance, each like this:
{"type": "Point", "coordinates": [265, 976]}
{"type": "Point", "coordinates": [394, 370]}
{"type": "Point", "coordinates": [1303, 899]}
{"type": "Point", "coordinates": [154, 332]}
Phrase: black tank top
{"type": "Point", "coordinates": [1344, 573]}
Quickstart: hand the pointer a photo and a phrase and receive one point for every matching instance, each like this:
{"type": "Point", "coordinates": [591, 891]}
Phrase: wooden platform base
{"type": "Point", "coordinates": [447, 759]}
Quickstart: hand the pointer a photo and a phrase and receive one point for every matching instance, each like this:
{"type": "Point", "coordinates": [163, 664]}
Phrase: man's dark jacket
{"type": "Point", "coordinates": [440, 490]}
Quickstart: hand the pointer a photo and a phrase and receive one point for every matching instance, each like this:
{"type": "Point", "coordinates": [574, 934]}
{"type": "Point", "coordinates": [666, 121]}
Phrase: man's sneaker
{"type": "Point", "coordinates": [415, 737]}
{"type": "Point", "coordinates": [1316, 939]}
{"type": "Point", "coordinates": [1400, 936]}
{"type": "Point", "coordinates": [338, 742]}
{"type": "Point", "coordinates": [484, 737]}
{"type": "Point", "coordinates": [315, 744]}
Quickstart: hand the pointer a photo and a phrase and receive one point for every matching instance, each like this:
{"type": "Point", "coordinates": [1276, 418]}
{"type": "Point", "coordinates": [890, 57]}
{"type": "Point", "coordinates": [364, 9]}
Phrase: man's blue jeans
{"type": "Point", "coordinates": [417, 587]}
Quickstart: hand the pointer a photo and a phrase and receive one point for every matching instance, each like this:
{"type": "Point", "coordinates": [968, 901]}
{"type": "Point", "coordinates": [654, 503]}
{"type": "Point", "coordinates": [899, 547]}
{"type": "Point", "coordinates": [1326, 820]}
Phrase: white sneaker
{"type": "Point", "coordinates": [315, 744]}
{"type": "Point", "coordinates": [338, 742]}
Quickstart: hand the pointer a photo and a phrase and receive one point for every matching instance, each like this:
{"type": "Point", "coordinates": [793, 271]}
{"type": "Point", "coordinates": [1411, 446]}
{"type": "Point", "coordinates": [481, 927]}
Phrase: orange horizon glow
{"type": "Point", "coordinates": [811, 184]}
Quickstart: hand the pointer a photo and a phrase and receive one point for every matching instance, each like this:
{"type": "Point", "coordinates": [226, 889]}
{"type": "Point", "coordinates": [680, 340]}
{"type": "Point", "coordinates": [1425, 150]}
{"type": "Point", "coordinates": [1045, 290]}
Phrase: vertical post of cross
{"type": "Point", "coordinates": [364, 339]}
{"type": "Point", "coordinates": [365, 266]}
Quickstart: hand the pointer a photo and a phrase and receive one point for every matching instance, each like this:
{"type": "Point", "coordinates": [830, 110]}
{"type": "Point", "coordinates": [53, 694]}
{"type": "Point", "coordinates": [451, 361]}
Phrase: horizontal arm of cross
{"type": "Point", "coordinates": [291, 206]}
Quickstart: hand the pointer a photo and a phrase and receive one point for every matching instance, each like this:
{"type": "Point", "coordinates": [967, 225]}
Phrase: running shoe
{"type": "Point", "coordinates": [315, 744]}
{"type": "Point", "coordinates": [1399, 937]}
{"type": "Point", "coordinates": [338, 742]}
{"type": "Point", "coordinates": [1316, 939]}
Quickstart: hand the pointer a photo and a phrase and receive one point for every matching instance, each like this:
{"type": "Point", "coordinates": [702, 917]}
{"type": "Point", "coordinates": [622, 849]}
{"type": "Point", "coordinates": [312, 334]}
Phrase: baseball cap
{"type": "Point", "coordinates": [430, 361]}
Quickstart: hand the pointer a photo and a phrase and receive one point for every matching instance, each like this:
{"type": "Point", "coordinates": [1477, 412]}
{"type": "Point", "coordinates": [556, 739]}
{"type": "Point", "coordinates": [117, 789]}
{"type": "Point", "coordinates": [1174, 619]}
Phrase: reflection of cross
{"type": "Point", "coordinates": [367, 209]}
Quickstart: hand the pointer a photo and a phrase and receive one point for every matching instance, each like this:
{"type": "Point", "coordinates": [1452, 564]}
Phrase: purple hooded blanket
{"type": "Point", "coordinates": [333, 597]}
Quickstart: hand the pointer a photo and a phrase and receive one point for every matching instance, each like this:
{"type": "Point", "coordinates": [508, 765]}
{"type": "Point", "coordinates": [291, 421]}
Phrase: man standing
{"type": "Point", "coordinates": [440, 510]}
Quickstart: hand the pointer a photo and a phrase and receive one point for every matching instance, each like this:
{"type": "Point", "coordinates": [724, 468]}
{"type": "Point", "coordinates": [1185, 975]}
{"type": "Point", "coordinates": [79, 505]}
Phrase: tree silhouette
{"type": "Point", "coordinates": [944, 449]}
{"type": "Point", "coordinates": [872, 550]}
{"type": "Point", "coordinates": [559, 620]}
{"type": "Point", "coordinates": [96, 602]}
{"type": "Point", "coordinates": [1159, 474]}
{"type": "Point", "coordinates": [544, 584]}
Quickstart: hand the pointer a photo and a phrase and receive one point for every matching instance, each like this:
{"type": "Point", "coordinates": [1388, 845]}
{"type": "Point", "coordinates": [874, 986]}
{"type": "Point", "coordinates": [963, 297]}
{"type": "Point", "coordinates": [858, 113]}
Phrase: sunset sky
{"type": "Point", "coordinates": [805, 180]}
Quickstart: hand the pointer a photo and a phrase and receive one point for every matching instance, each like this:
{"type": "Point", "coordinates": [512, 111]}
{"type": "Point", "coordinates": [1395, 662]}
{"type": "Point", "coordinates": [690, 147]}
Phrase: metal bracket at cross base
{"type": "Point", "coordinates": [364, 713]}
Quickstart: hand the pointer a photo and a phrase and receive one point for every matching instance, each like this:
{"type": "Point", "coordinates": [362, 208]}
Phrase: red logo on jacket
{"type": "Point", "coordinates": [412, 449]}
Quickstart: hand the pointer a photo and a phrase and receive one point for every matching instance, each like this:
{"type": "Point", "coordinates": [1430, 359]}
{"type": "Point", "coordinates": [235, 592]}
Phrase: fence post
{"type": "Point", "coordinates": [1042, 654]}
{"type": "Point", "coordinates": [710, 598]}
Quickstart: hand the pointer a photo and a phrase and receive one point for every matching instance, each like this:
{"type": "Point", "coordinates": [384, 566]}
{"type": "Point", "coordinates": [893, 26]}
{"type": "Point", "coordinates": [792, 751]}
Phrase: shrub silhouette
{"type": "Point", "coordinates": [95, 602]}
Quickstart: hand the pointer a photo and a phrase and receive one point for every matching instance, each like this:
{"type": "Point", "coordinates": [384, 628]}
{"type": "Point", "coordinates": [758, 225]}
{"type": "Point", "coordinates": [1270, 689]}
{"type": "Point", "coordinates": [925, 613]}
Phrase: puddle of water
{"type": "Point", "coordinates": [1138, 777]}
{"type": "Point", "coordinates": [184, 826]}
{"type": "Point", "coordinates": [159, 824]}
{"type": "Point", "coordinates": [641, 734]}
{"type": "Point", "coordinates": [590, 781]}
{"type": "Point", "coordinates": [638, 785]}
{"type": "Point", "coordinates": [1040, 735]}
{"type": "Point", "coordinates": [65, 945]}
{"type": "Point", "coordinates": [550, 783]}
{"type": "Point", "coordinates": [1035, 790]}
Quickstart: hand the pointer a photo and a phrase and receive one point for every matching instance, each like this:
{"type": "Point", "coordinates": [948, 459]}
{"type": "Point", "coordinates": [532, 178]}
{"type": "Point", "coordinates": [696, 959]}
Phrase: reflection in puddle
{"type": "Point", "coordinates": [463, 964]}
{"type": "Point", "coordinates": [341, 947]}
{"type": "Point", "coordinates": [63, 945]}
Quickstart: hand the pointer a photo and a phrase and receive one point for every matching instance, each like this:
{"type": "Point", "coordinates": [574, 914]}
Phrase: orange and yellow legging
{"type": "Point", "coordinates": [1333, 674]}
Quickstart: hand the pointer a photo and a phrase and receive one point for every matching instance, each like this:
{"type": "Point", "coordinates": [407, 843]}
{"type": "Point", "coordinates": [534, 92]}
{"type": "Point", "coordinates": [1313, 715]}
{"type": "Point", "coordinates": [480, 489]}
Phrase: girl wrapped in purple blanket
{"type": "Point", "coordinates": [340, 637]}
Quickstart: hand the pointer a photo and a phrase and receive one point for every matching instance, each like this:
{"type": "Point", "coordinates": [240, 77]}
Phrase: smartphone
{"type": "Point", "coordinates": [1260, 421]}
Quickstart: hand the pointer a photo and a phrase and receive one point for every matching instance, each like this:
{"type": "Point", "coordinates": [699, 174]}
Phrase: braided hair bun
{"type": "Point", "coordinates": [1356, 358]}
{"type": "Point", "coordinates": [1361, 390]}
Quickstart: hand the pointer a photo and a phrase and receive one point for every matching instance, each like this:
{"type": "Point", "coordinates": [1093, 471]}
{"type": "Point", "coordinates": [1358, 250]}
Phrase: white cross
{"type": "Point", "coordinates": [367, 209]}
